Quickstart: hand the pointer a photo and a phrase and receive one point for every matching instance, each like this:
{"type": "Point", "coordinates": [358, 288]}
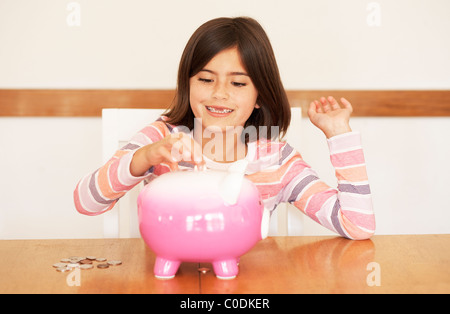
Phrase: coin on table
{"type": "Point", "coordinates": [100, 259]}
{"type": "Point", "coordinates": [77, 257]}
{"type": "Point", "coordinates": [62, 269]}
{"type": "Point", "coordinates": [203, 270]}
{"type": "Point", "coordinates": [102, 266]}
{"type": "Point", "coordinates": [86, 266]}
{"type": "Point", "coordinates": [65, 260]}
{"type": "Point", "coordinates": [57, 265]}
{"type": "Point", "coordinates": [92, 258]}
{"type": "Point", "coordinates": [115, 263]}
{"type": "Point", "coordinates": [86, 261]}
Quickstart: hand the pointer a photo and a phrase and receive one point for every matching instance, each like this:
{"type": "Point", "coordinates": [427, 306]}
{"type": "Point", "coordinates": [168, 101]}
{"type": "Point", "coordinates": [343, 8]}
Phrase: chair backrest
{"type": "Point", "coordinates": [118, 126]}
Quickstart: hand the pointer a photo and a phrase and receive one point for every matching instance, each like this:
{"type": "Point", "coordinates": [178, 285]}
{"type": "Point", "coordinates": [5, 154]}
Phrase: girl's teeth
{"type": "Point", "coordinates": [215, 110]}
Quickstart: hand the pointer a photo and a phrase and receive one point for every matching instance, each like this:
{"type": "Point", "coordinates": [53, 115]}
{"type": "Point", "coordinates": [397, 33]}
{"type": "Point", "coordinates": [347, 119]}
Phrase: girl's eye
{"type": "Point", "coordinates": [205, 80]}
{"type": "Point", "coordinates": [237, 84]}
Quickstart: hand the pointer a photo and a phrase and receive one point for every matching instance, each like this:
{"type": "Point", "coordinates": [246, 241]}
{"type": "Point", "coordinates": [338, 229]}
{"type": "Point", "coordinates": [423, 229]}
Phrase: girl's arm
{"type": "Point", "coordinates": [154, 150]}
{"type": "Point", "coordinates": [346, 210]}
{"type": "Point", "coordinates": [99, 191]}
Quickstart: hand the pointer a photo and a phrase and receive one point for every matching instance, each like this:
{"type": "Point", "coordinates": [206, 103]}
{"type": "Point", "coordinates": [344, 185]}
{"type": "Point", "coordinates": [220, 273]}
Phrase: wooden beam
{"type": "Point", "coordinates": [89, 103]}
{"type": "Point", "coordinates": [383, 103]}
{"type": "Point", "coordinates": [78, 103]}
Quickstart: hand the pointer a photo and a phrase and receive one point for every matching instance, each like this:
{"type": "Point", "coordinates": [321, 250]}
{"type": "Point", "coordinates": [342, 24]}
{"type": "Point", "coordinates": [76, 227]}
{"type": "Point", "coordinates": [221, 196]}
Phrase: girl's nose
{"type": "Point", "coordinates": [220, 91]}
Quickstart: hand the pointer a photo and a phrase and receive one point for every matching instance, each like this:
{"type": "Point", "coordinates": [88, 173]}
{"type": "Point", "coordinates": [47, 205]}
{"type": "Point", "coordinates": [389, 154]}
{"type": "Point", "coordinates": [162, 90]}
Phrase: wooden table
{"type": "Point", "coordinates": [288, 265]}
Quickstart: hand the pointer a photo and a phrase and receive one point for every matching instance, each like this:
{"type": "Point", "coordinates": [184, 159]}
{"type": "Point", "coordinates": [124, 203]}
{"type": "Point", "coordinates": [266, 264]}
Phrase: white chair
{"type": "Point", "coordinates": [119, 125]}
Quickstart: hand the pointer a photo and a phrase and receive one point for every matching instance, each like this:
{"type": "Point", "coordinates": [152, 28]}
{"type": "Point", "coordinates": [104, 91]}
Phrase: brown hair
{"type": "Point", "coordinates": [258, 59]}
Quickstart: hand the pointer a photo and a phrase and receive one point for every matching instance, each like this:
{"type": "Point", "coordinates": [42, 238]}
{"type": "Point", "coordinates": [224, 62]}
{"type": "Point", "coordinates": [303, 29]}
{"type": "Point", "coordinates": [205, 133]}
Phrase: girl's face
{"type": "Point", "coordinates": [222, 94]}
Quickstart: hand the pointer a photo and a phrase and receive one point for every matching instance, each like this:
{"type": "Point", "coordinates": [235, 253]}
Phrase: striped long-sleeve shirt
{"type": "Point", "coordinates": [278, 171]}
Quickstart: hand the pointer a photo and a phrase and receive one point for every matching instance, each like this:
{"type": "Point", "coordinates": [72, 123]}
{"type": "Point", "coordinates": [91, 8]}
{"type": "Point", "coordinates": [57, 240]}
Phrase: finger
{"type": "Point", "coordinates": [347, 104]}
{"type": "Point", "coordinates": [334, 103]}
{"type": "Point", "coordinates": [173, 166]}
{"type": "Point", "coordinates": [318, 106]}
{"type": "Point", "coordinates": [325, 105]}
{"type": "Point", "coordinates": [169, 159]}
{"type": "Point", "coordinates": [312, 109]}
{"type": "Point", "coordinates": [174, 143]}
{"type": "Point", "coordinates": [171, 139]}
{"type": "Point", "coordinates": [176, 152]}
{"type": "Point", "coordinates": [186, 153]}
{"type": "Point", "coordinates": [197, 153]}
{"type": "Point", "coordinates": [192, 151]}
{"type": "Point", "coordinates": [184, 149]}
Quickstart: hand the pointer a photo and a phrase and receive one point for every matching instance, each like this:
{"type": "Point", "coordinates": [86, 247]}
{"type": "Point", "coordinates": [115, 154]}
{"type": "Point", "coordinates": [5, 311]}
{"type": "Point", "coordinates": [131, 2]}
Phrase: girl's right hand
{"type": "Point", "coordinates": [170, 150]}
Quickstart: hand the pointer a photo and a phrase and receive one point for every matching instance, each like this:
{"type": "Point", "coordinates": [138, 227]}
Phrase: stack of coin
{"type": "Point", "coordinates": [84, 262]}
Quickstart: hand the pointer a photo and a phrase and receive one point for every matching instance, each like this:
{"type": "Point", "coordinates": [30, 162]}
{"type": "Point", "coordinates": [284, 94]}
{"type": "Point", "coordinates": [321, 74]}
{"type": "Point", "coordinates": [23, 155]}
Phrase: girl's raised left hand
{"type": "Point", "coordinates": [329, 116]}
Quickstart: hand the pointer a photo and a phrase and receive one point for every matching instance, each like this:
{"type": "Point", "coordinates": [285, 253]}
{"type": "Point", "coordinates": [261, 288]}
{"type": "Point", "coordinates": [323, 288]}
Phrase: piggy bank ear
{"type": "Point", "coordinates": [230, 187]}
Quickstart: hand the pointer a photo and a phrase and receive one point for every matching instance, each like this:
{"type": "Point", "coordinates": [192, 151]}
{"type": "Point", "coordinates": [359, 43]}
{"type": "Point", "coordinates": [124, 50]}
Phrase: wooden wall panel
{"type": "Point", "coordinates": [89, 103]}
{"type": "Point", "coordinates": [378, 103]}
{"type": "Point", "coordinates": [78, 103]}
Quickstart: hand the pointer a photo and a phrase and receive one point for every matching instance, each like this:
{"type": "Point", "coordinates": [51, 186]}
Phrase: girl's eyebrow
{"type": "Point", "coordinates": [229, 73]}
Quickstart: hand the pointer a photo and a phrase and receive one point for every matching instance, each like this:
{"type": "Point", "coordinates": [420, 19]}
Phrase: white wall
{"type": "Point", "coordinates": [42, 160]}
{"type": "Point", "coordinates": [325, 44]}
{"type": "Point", "coordinates": [320, 44]}
{"type": "Point", "coordinates": [408, 169]}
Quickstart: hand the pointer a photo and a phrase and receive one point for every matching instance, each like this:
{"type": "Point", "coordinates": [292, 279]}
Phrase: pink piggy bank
{"type": "Point", "coordinates": [201, 216]}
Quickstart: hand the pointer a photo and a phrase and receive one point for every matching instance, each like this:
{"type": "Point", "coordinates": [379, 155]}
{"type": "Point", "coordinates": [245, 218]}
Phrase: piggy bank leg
{"type": "Point", "coordinates": [165, 269]}
{"type": "Point", "coordinates": [226, 269]}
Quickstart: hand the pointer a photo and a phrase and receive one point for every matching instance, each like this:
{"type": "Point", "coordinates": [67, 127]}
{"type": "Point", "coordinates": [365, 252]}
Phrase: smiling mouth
{"type": "Point", "coordinates": [218, 110]}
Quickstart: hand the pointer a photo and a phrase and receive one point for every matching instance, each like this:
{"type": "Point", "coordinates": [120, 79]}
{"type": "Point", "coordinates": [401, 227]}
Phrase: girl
{"type": "Point", "coordinates": [229, 83]}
